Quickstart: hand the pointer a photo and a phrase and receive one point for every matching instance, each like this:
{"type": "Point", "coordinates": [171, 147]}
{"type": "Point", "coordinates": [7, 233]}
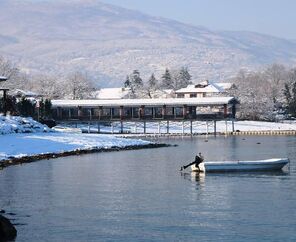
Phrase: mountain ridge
{"type": "Point", "coordinates": [109, 42]}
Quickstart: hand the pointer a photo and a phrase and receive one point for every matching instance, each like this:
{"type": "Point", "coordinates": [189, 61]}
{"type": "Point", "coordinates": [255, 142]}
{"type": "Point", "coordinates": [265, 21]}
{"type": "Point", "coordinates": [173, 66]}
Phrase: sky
{"type": "Point", "coordinates": [273, 17]}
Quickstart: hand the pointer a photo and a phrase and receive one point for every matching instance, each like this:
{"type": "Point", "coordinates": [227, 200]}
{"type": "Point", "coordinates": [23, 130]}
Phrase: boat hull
{"type": "Point", "coordinates": [233, 166]}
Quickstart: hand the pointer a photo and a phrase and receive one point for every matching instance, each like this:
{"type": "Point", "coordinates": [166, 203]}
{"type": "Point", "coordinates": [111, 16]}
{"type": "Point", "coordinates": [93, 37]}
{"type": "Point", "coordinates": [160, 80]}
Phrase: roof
{"type": "Point", "coordinates": [112, 93]}
{"type": "Point", "coordinates": [146, 102]}
{"type": "Point", "coordinates": [210, 88]}
{"type": "Point", "coordinates": [225, 85]}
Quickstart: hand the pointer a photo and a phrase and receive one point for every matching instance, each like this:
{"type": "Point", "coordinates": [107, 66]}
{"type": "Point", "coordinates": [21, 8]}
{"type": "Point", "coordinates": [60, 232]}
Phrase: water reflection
{"type": "Point", "coordinates": [141, 195]}
{"type": "Point", "coordinates": [196, 177]}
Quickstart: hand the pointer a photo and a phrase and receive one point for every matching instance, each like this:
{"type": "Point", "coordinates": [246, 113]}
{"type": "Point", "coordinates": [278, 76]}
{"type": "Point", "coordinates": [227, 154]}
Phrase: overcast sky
{"type": "Point", "coordinates": [274, 17]}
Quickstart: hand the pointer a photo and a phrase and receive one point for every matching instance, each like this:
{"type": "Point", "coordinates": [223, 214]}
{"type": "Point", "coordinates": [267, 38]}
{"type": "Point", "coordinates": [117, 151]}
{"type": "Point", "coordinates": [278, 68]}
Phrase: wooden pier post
{"type": "Point", "coordinates": [191, 132]}
{"type": "Point", "coordinates": [226, 128]}
{"type": "Point", "coordinates": [121, 127]}
{"type": "Point", "coordinates": [112, 128]}
{"type": "Point", "coordinates": [99, 127]}
{"type": "Point", "coordinates": [159, 127]}
{"type": "Point", "coordinates": [215, 127]}
{"type": "Point", "coordinates": [183, 127]}
{"type": "Point", "coordinates": [168, 126]}
{"type": "Point", "coordinates": [144, 127]}
{"type": "Point", "coordinates": [232, 125]}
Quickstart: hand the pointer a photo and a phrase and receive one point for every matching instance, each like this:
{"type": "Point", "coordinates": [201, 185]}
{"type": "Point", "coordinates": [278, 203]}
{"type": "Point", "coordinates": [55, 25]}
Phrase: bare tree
{"type": "Point", "coordinates": [79, 85]}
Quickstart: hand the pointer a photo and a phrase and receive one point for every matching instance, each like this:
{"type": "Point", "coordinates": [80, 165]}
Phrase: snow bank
{"type": "Point", "coordinates": [16, 124]}
{"type": "Point", "coordinates": [21, 145]}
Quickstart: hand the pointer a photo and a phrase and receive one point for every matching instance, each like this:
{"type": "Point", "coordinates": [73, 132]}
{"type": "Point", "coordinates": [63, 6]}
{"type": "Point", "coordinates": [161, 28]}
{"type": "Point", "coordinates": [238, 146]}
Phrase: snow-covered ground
{"type": "Point", "coordinates": [21, 137]}
{"type": "Point", "coordinates": [176, 127]}
{"type": "Point", "coordinates": [20, 145]}
{"type": "Point", "coordinates": [15, 124]}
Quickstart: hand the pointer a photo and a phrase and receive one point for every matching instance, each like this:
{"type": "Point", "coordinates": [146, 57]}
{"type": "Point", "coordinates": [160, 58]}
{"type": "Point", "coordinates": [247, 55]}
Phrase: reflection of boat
{"type": "Point", "coordinates": [258, 165]}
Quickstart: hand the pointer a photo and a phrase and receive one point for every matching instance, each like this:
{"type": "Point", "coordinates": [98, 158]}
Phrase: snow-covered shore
{"type": "Point", "coordinates": [24, 137]}
{"type": "Point", "coordinates": [22, 145]}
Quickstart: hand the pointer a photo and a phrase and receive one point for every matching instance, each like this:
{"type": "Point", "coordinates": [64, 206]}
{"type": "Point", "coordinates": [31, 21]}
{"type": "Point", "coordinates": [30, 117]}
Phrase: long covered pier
{"type": "Point", "coordinates": [145, 110]}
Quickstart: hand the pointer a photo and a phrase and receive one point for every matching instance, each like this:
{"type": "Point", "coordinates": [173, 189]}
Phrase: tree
{"type": "Point", "coordinates": [184, 78]}
{"type": "Point", "coordinates": [8, 69]}
{"type": "Point", "coordinates": [152, 85]}
{"type": "Point", "coordinates": [136, 83]}
{"type": "Point", "coordinates": [49, 86]}
{"type": "Point", "coordinates": [79, 85]}
{"type": "Point", "coordinates": [11, 105]}
{"type": "Point", "coordinates": [290, 92]}
{"type": "Point", "coordinates": [26, 108]}
{"type": "Point", "coordinates": [152, 82]}
{"type": "Point", "coordinates": [166, 80]}
{"type": "Point", "coordinates": [254, 95]}
{"type": "Point", "coordinates": [127, 83]}
{"type": "Point", "coordinates": [275, 76]}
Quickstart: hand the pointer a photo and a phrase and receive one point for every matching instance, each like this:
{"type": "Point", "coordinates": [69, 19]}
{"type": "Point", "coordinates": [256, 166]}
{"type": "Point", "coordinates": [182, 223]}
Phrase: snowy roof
{"type": "Point", "coordinates": [224, 85]}
{"type": "Point", "coordinates": [146, 102]}
{"type": "Point", "coordinates": [201, 88]}
{"type": "Point", "coordinates": [112, 93]}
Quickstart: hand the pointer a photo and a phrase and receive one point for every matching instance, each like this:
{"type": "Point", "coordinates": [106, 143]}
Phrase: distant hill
{"type": "Point", "coordinates": [109, 42]}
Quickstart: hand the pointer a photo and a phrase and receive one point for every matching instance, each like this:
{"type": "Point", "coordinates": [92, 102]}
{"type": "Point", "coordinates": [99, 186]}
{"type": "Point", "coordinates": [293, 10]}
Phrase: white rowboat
{"type": "Point", "coordinates": [258, 165]}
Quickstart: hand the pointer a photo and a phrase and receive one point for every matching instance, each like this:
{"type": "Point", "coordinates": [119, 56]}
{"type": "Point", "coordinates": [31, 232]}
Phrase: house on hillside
{"type": "Point", "coordinates": [203, 89]}
{"type": "Point", "coordinates": [113, 93]}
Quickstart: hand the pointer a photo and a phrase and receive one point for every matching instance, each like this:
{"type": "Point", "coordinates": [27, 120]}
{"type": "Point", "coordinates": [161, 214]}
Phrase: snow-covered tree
{"type": "Point", "coordinates": [166, 80]}
{"type": "Point", "coordinates": [276, 75]}
{"type": "Point", "coordinates": [79, 85]}
{"type": "Point", "coordinates": [290, 92]}
{"type": "Point", "coordinates": [184, 78]}
{"type": "Point", "coordinates": [152, 85]}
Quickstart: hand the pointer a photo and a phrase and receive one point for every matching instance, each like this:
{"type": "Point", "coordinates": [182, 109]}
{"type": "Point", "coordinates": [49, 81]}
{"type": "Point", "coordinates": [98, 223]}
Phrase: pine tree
{"type": "Point", "coordinates": [185, 78]}
{"type": "Point", "coordinates": [166, 80]}
{"type": "Point", "coordinates": [152, 82]}
{"type": "Point", "coordinates": [127, 82]}
{"type": "Point", "coordinates": [136, 80]}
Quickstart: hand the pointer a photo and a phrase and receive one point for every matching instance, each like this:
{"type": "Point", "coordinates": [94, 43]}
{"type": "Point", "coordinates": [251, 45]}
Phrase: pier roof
{"type": "Point", "coordinates": [145, 102]}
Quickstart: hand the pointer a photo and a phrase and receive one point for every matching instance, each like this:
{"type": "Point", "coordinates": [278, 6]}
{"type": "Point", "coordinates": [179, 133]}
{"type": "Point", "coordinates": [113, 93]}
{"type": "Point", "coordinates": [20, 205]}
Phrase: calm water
{"type": "Point", "coordinates": [141, 195]}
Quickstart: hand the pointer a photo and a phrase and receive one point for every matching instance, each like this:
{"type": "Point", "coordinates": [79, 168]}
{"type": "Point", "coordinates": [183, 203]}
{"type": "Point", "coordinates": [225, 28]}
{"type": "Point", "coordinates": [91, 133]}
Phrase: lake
{"type": "Point", "coordinates": [142, 196]}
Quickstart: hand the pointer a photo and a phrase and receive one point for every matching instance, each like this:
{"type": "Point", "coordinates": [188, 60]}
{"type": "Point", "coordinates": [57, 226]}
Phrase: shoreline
{"type": "Point", "coordinates": [33, 158]}
{"type": "Point", "coordinates": [230, 133]}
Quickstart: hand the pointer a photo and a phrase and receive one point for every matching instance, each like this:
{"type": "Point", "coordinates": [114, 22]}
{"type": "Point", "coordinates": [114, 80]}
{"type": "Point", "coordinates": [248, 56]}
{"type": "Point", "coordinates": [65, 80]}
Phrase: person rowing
{"type": "Point", "coordinates": [197, 161]}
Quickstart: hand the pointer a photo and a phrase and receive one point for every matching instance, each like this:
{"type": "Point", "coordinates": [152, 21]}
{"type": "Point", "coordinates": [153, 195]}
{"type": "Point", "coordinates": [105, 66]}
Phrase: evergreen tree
{"type": "Point", "coordinates": [47, 108]}
{"type": "Point", "coordinates": [184, 78]}
{"type": "Point", "coordinates": [26, 108]}
{"type": "Point", "coordinates": [152, 82]}
{"type": "Point", "coordinates": [151, 85]}
{"type": "Point", "coordinates": [136, 83]}
{"type": "Point", "coordinates": [166, 80]}
{"type": "Point", "coordinates": [127, 83]}
{"type": "Point", "coordinates": [136, 80]}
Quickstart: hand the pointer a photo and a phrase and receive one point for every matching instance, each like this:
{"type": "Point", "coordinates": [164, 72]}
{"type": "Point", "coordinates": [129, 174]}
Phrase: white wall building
{"type": "Point", "coordinates": [203, 89]}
